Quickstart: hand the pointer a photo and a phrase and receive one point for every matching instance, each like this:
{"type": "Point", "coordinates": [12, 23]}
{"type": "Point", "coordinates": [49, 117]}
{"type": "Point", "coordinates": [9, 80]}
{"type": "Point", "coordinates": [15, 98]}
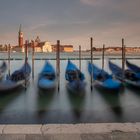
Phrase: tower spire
{"type": "Point", "coordinates": [20, 28]}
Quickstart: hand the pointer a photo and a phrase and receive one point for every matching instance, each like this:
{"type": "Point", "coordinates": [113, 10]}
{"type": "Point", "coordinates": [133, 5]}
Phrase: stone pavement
{"type": "Point", "coordinates": [98, 131]}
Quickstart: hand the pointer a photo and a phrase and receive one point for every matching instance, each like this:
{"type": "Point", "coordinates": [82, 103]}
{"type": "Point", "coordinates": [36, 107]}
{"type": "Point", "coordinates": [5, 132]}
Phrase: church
{"type": "Point", "coordinates": [39, 46]}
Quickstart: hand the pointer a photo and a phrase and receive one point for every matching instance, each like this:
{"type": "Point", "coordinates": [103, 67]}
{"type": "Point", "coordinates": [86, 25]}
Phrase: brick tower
{"type": "Point", "coordinates": [20, 37]}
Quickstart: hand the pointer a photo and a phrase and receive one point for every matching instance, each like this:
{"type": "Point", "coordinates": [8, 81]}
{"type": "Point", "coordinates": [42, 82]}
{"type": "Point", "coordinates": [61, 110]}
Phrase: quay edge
{"type": "Point", "coordinates": [94, 131]}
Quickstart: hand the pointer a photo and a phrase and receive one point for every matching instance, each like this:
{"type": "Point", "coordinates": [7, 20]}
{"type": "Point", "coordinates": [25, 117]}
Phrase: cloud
{"type": "Point", "coordinates": [35, 27]}
{"type": "Point", "coordinates": [123, 6]}
{"type": "Point", "coordinates": [95, 2]}
{"type": "Point", "coordinates": [106, 20]}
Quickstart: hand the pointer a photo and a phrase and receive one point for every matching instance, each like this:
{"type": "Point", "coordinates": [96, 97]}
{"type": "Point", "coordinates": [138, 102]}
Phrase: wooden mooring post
{"type": "Point", "coordinates": [33, 57]}
{"type": "Point", "coordinates": [80, 58]}
{"type": "Point", "coordinates": [58, 63]}
{"type": "Point", "coordinates": [26, 60]}
{"type": "Point", "coordinates": [9, 58]}
{"type": "Point", "coordinates": [123, 60]}
{"type": "Point", "coordinates": [103, 56]}
{"type": "Point", "coordinates": [91, 48]}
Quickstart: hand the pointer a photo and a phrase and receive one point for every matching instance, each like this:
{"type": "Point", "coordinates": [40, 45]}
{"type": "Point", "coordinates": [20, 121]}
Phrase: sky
{"type": "Point", "coordinates": [72, 21]}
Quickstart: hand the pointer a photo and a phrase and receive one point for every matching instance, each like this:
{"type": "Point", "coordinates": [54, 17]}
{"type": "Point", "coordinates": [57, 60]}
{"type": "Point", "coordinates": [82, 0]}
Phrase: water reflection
{"type": "Point", "coordinates": [112, 98]}
{"type": "Point", "coordinates": [44, 100]}
{"type": "Point", "coordinates": [7, 97]}
{"type": "Point", "coordinates": [64, 107]}
{"type": "Point", "coordinates": [134, 90]}
{"type": "Point", "coordinates": [77, 102]}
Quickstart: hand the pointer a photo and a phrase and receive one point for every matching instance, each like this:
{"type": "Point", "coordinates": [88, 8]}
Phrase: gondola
{"type": "Point", "coordinates": [130, 77]}
{"type": "Point", "coordinates": [3, 68]}
{"type": "Point", "coordinates": [47, 77]}
{"type": "Point", "coordinates": [75, 78]}
{"type": "Point", "coordinates": [134, 68]}
{"type": "Point", "coordinates": [18, 78]}
{"type": "Point", "coordinates": [102, 79]}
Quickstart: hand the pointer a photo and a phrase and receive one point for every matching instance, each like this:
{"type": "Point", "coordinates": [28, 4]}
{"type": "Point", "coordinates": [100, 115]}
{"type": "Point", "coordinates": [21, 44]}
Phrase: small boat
{"type": "Point", "coordinates": [47, 77]}
{"type": "Point", "coordinates": [3, 68]}
{"type": "Point", "coordinates": [16, 79]}
{"type": "Point", "coordinates": [75, 78]}
{"type": "Point", "coordinates": [130, 77]}
{"type": "Point", "coordinates": [134, 68]}
{"type": "Point", "coordinates": [102, 78]}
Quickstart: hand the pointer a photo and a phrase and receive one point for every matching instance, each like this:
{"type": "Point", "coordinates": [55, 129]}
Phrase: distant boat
{"type": "Point", "coordinates": [16, 79]}
{"type": "Point", "coordinates": [103, 79]}
{"type": "Point", "coordinates": [3, 68]}
{"type": "Point", "coordinates": [75, 79]}
{"type": "Point", "coordinates": [130, 76]}
{"type": "Point", "coordinates": [47, 77]}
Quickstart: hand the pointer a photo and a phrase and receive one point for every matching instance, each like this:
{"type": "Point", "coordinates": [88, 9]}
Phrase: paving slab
{"type": "Point", "coordinates": [122, 127]}
{"type": "Point", "coordinates": [107, 127]}
{"type": "Point", "coordinates": [95, 137]}
{"type": "Point", "coordinates": [98, 131]}
{"type": "Point", "coordinates": [94, 128]}
{"type": "Point", "coordinates": [54, 137]}
{"type": "Point", "coordinates": [67, 137]}
{"type": "Point", "coordinates": [124, 136]}
{"type": "Point", "coordinates": [2, 128]}
{"type": "Point", "coordinates": [38, 137]}
{"type": "Point", "coordinates": [137, 125]}
{"type": "Point", "coordinates": [138, 136]}
{"type": "Point", "coordinates": [22, 129]}
{"type": "Point", "coordinates": [60, 128]}
{"type": "Point", "coordinates": [12, 137]}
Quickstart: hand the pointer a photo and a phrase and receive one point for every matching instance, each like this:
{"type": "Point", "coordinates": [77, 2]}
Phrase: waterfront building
{"type": "Point", "coordinates": [47, 47]}
{"type": "Point", "coordinates": [68, 48]}
{"type": "Point", "coordinates": [39, 46]}
{"type": "Point", "coordinates": [63, 48]}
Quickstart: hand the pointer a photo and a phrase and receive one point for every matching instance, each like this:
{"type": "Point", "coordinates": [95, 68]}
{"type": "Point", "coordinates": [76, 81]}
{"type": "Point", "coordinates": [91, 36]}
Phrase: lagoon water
{"type": "Point", "coordinates": [31, 106]}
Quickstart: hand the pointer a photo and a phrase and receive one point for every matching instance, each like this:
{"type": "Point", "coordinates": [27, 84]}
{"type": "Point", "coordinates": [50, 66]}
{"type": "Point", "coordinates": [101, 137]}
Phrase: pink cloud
{"type": "Point", "coordinates": [95, 2]}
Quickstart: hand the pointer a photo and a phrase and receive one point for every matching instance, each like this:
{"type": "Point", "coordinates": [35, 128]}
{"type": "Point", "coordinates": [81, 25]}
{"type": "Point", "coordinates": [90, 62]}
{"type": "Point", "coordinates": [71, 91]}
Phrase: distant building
{"type": "Point", "coordinates": [42, 46]}
{"type": "Point", "coordinates": [63, 48]}
{"type": "Point", "coordinates": [67, 48]}
{"type": "Point", "coordinates": [47, 47]}
{"type": "Point", "coordinates": [39, 46]}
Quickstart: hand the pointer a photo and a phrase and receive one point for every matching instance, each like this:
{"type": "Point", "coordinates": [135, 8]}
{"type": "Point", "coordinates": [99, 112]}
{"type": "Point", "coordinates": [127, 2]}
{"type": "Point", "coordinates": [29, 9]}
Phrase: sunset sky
{"type": "Point", "coordinates": [72, 21]}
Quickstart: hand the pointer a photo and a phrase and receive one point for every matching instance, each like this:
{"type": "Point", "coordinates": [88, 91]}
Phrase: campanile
{"type": "Point", "coordinates": [20, 37]}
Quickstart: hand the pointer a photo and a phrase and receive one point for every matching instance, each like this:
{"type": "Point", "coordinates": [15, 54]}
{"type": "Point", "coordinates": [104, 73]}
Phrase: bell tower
{"type": "Point", "coordinates": [20, 37]}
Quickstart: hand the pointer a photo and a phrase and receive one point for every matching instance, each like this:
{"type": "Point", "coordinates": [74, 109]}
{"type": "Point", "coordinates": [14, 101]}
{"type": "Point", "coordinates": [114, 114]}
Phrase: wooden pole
{"type": "Point", "coordinates": [9, 57]}
{"type": "Point", "coordinates": [26, 51]}
{"type": "Point", "coordinates": [80, 58]}
{"type": "Point", "coordinates": [33, 53]}
{"type": "Point", "coordinates": [123, 60]}
{"type": "Point", "coordinates": [103, 56]}
{"type": "Point", "coordinates": [58, 62]}
{"type": "Point", "coordinates": [91, 48]}
{"type": "Point", "coordinates": [26, 59]}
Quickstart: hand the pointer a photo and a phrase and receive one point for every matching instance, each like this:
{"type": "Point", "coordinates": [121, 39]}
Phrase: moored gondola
{"type": "Point", "coordinates": [130, 77]}
{"type": "Point", "coordinates": [75, 78]}
{"type": "Point", "coordinates": [16, 79]}
{"type": "Point", "coordinates": [102, 79]}
{"type": "Point", "coordinates": [47, 77]}
{"type": "Point", "coordinates": [3, 68]}
{"type": "Point", "coordinates": [134, 68]}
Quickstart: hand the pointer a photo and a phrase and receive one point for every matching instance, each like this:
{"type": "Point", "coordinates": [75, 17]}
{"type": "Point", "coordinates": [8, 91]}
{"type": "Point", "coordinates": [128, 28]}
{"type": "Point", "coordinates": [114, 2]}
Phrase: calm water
{"type": "Point", "coordinates": [32, 107]}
